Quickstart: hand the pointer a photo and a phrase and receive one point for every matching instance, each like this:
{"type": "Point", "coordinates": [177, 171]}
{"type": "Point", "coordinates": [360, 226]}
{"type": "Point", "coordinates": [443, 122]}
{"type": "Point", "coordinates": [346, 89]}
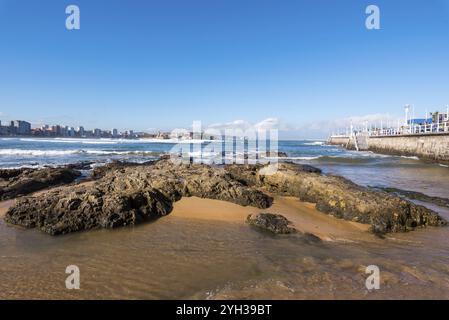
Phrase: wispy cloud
{"type": "Point", "coordinates": [266, 124]}
{"type": "Point", "coordinates": [322, 128]}
{"type": "Point", "coordinates": [356, 121]}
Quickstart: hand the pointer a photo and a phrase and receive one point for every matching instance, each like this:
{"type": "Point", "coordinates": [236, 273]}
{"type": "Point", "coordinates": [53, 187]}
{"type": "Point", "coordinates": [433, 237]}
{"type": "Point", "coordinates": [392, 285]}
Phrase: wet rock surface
{"type": "Point", "coordinates": [274, 223]}
{"type": "Point", "coordinates": [344, 199]}
{"type": "Point", "coordinates": [413, 195]}
{"type": "Point", "coordinates": [127, 194]}
{"type": "Point", "coordinates": [19, 182]}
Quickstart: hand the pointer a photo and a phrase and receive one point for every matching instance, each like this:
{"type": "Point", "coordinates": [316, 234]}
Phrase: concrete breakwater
{"type": "Point", "coordinates": [432, 147]}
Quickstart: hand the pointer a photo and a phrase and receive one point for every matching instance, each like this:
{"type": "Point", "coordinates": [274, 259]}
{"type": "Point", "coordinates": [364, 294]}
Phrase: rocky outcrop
{"type": "Point", "coordinates": [19, 182]}
{"type": "Point", "coordinates": [274, 223]}
{"type": "Point", "coordinates": [413, 195]}
{"type": "Point", "coordinates": [100, 171]}
{"type": "Point", "coordinates": [129, 194]}
{"type": "Point", "coordinates": [66, 210]}
{"type": "Point", "coordinates": [344, 199]}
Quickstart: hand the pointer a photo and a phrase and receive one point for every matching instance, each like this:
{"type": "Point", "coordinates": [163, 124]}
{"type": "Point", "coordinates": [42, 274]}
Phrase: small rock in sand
{"type": "Point", "coordinates": [274, 223]}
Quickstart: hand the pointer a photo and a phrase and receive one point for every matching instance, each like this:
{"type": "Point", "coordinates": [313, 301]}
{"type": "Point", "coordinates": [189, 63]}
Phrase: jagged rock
{"type": "Point", "coordinates": [274, 223]}
{"type": "Point", "coordinates": [19, 182]}
{"type": "Point", "coordinates": [127, 194]}
{"type": "Point", "coordinates": [346, 200]}
{"type": "Point", "coordinates": [413, 195]}
{"type": "Point", "coordinates": [100, 171]}
{"type": "Point", "coordinates": [62, 211]}
{"type": "Point", "coordinates": [82, 165]}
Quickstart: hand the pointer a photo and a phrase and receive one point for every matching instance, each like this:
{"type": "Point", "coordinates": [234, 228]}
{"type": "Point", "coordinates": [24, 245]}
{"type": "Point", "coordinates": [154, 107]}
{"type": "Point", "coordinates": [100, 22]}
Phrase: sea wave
{"type": "Point", "coordinates": [299, 158]}
{"type": "Point", "coordinates": [410, 157]}
{"type": "Point", "coordinates": [346, 159]}
{"type": "Point", "coordinates": [50, 153]}
{"type": "Point", "coordinates": [79, 141]}
{"type": "Point", "coordinates": [112, 141]}
{"type": "Point", "coordinates": [314, 143]}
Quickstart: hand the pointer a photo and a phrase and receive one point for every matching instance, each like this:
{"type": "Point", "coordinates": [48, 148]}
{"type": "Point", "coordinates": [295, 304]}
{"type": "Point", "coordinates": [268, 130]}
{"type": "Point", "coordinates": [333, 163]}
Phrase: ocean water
{"type": "Point", "coordinates": [182, 258]}
{"type": "Point", "coordinates": [365, 168]}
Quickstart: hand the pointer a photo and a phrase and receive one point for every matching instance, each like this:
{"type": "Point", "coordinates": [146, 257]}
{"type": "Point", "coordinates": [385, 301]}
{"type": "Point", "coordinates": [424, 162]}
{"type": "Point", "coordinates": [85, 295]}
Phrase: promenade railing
{"type": "Point", "coordinates": [415, 129]}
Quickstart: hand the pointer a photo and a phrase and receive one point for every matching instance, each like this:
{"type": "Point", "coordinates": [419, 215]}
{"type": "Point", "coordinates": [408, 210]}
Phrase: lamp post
{"type": "Point", "coordinates": [407, 110]}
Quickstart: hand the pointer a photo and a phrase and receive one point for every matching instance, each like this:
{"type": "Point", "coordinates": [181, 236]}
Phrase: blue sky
{"type": "Point", "coordinates": [162, 64]}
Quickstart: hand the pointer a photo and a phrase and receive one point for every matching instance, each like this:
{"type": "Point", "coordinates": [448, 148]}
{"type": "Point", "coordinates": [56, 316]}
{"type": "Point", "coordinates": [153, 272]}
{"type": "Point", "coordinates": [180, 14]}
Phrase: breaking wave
{"type": "Point", "coordinates": [55, 153]}
{"type": "Point", "coordinates": [314, 143]}
{"type": "Point", "coordinates": [112, 141]}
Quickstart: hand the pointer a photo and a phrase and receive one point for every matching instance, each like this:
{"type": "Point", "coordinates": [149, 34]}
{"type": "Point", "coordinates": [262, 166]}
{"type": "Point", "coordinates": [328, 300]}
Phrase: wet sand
{"type": "Point", "coordinates": [205, 250]}
{"type": "Point", "coordinates": [4, 206]}
{"type": "Point", "coordinates": [304, 217]}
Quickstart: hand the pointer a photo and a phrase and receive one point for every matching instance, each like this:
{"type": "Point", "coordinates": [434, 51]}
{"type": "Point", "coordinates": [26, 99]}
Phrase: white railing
{"type": "Point", "coordinates": [412, 129]}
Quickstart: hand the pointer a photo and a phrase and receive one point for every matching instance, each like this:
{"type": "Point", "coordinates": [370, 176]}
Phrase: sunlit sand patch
{"type": "Point", "coordinates": [4, 206]}
{"type": "Point", "coordinates": [303, 215]}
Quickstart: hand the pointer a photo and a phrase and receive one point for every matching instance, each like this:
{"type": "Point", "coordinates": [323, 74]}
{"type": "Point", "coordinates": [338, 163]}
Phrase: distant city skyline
{"type": "Point", "coordinates": [311, 65]}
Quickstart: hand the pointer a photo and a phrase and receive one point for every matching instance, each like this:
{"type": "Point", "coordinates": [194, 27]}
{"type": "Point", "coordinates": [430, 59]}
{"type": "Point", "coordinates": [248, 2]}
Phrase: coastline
{"type": "Point", "coordinates": [431, 148]}
{"type": "Point", "coordinates": [172, 257]}
{"type": "Point", "coordinates": [121, 194]}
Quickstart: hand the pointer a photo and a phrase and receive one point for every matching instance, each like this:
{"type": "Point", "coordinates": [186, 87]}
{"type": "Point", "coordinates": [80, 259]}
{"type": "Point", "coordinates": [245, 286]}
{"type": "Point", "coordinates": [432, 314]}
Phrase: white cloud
{"type": "Point", "coordinates": [234, 125]}
{"type": "Point", "coordinates": [370, 119]}
{"type": "Point", "coordinates": [322, 129]}
{"type": "Point", "coordinates": [267, 124]}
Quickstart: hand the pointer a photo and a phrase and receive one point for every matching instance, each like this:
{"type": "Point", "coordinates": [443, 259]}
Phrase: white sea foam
{"type": "Point", "coordinates": [173, 141]}
{"type": "Point", "coordinates": [314, 143]}
{"type": "Point", "coordinates": [112, 141]}
{"type": "Point", "coordinates": [410, 157]}
{"type": "Point", "coordinates": [37, 153]}
{"type": "Point", "coordinates": [53, 153]}
{"type": "Point", "coordinates": [295, 158]}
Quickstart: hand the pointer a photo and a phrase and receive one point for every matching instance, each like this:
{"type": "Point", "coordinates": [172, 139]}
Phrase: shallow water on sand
{"type": "Point", "coordinates": [177, 258]}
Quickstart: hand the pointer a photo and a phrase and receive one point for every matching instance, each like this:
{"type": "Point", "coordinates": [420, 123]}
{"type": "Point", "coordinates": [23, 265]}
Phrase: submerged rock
{"type": "Point", "coordinates": [274, 223]}
{"type": "Point", "coordinates": [19, 182]}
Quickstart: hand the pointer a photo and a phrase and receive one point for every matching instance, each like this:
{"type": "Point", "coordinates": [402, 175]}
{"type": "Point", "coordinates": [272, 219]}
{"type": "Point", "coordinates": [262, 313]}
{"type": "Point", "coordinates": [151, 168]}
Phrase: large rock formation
{"type": "Point", "coordinates": [19, 182]}
{"type": "Point", "coordinates": [342, 198]}
{"type": "Point", "coordinates": [413, 195]}
{"type": "Point", "coordinates": [127, 195]}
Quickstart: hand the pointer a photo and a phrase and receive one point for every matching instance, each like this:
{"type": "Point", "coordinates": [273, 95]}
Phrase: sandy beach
{"type": "Point", "coordinates": [303, 215]}
{"type": "Point", "coordinates": [4, 206]}
{"type": "Point", "coordinates": [173, 256]}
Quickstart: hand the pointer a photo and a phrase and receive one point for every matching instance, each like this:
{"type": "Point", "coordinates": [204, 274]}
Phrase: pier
{"type": "Point", "coordinates": [426, 138]}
